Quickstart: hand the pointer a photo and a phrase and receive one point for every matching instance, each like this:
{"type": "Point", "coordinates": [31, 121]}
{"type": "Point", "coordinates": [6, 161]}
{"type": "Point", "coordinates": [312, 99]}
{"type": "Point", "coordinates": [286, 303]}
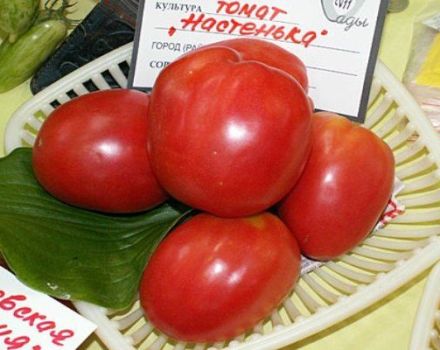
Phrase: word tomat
{"type": "Point", "coordinates": [14, 304]}
{"type": "Point", "coordinates": [294, 34]}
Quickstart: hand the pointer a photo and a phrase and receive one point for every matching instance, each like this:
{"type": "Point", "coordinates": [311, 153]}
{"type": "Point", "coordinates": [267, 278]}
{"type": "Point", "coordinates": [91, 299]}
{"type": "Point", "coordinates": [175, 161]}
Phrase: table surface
{"type": "Point", "coordinates": [386, 325]}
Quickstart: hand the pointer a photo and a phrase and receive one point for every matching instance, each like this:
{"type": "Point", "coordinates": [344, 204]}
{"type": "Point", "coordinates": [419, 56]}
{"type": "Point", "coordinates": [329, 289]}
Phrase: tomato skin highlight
{"type": "Point", "coordinates": [343, 190]}
{"type": "Point", "coordinates": [213, 278]}
{"type": "Point", "coordinates": [236, 132]}
{"type": "Point", "coordinates": [92, 152]}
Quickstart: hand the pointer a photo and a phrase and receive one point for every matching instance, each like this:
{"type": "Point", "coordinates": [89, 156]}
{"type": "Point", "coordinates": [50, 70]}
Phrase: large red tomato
{"type": "Point", "coordinates": [269, 54]}
{"type": "Point", "coordinates": [229, 134]}
{"type": "Point", "coordinates": [92, 152]}
{"type": "Point", "coordinates": [214, 278]}
{"type": "Point", "coordinates": [343, 190]}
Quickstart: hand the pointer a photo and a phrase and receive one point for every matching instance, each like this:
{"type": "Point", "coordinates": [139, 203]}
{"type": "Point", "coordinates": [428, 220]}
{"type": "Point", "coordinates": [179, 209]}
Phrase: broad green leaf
{"type": "Point", "coordinates": [71, 253]}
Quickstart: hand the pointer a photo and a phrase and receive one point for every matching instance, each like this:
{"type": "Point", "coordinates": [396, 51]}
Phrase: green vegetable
{"type": "Point", "coordinates": [16, 16]}
{"type": "Point", "coordinates": [21, 59]}
{"type": "Point", "coordinates": [72, 253]}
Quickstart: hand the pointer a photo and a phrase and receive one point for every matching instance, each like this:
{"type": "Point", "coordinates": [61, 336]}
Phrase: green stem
{"type": "Point", "coordinates": [60, 13]}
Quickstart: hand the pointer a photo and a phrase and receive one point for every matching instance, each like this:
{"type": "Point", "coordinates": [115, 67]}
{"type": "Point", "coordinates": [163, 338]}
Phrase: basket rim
{"type": "Point", "coordinates": [426, 311]}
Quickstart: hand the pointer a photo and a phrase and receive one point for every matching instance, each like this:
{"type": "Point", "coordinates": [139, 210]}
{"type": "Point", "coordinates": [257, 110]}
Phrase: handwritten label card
{"type": "Point", "coordinates": [337, 40]}
{"type": "Point", "coordinates": [30, 320]}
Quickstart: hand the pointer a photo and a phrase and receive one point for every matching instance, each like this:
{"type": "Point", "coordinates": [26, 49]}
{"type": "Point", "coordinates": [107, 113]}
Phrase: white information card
{"type": "Point", "coordinates": [337, 40]}
{"type": "Point", "coordinates": [30, 320]}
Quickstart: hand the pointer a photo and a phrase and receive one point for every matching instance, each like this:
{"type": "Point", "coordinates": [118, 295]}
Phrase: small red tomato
{"type": "Point", "coordinates": [92, 152]}
{"type": "Point", "coordinates": [229, 134]}
{"type": "Point", "coordinates": [343, 190]}
{"type": "Point", "coordinates": [214, 278]}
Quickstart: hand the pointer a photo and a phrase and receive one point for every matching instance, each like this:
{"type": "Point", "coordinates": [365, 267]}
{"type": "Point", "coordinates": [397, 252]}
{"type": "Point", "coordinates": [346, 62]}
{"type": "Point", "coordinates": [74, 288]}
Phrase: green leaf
{"type": "Point", "coordinates": [71, 253]}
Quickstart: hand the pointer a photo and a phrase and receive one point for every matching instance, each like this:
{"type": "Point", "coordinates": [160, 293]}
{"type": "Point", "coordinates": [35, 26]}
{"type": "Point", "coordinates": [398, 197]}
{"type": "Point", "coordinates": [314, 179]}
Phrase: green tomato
{"type": "Point", "coordinates": [16, 16]}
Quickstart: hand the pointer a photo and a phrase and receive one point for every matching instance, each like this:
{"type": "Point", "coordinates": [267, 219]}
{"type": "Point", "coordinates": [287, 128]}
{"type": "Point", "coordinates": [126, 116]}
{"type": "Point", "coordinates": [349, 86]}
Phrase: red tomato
{"type": "Point", "coordinates": [269, 54]}
{"type": "Point", "coordinates": [92, 152]}
{"type": "Point", "coordinates": [214, 278]}
{"type": "Point", "coordinates": [228, 136]}
{"type": "Point", "coordinates": [343, 190]}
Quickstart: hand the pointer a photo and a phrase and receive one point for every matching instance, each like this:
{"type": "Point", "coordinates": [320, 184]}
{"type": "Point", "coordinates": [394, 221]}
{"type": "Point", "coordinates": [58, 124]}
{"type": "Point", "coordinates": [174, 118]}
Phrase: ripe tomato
{"type": "Point", "coordinates": [229, 136]}
{"type": "Point", "coordinates": [269, 54]}
{"type": "Point", "coordinates": [214, 278]}
{"type": "Point", "coordinates": [92, 152]}
{"type": "Point", "coordinates": [343, 190]}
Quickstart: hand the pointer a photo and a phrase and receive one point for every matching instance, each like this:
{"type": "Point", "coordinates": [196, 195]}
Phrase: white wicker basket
{"type": "Point", "coordinates": [382, 263]}
{"type": "Point", "coordinates": [426, 328]}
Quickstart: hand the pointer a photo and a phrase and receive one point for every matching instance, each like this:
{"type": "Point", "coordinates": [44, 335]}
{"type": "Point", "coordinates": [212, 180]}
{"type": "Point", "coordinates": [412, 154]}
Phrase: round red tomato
{"type": "Point", "coordinates": [229, 134]}
{"type": "Point", "coordinates": [343, 190]}
{"type": "Point", "coordinates": [214, 278]}
{"type": "Point", "coordinates": [91, 152]}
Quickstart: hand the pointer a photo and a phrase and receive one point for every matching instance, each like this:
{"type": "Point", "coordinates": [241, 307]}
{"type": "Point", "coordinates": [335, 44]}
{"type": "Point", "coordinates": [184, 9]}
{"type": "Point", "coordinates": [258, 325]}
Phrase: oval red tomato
{"type": "Point", "coordinates": [214, 278]}
{"type": "Point", "coordinates": [92, 152]}
{"type": "Point", "coordinates": [343, 190]}
{"type": "Point", "coordinates": [229, 135]}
